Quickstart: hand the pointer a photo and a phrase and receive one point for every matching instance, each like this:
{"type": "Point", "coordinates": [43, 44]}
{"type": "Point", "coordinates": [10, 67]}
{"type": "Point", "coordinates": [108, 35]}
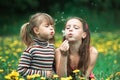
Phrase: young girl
{"type": "Point", "coordinates": [38, 57]}
{"type": "Point", "coordinates": [75, 52]}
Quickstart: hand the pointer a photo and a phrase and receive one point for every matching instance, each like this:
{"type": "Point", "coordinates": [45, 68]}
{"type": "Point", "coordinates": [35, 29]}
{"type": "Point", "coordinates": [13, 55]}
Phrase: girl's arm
{"type": "Point", "coordinates": [24, 67]}
{"type": "Point", "coordinates": [93, 59]}
{"type": "Point", "coordinates": [61, 59]}
{"type": "Point", "coordinates": [61, 63]}
{"type": "Point", "coordinates": [24, 71]}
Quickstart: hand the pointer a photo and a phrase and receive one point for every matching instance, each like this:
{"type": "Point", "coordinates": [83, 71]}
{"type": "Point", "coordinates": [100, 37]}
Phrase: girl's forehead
{"type": "Point", "coordinates": [46, 21]}
{"type": "Point", "coordinates": [73, 21]}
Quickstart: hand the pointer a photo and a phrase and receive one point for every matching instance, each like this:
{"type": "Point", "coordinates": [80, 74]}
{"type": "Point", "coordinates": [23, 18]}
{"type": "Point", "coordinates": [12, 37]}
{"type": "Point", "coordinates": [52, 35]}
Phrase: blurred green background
{"type": "Point", "coordinates": [101, 15]}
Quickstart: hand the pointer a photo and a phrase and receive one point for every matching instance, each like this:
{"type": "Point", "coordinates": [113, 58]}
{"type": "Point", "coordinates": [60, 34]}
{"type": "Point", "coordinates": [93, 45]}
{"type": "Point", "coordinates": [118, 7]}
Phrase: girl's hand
{"type": "Point", "coordinates": [64, 46]}
{"type": "Point", "coordinates": [49, 74]}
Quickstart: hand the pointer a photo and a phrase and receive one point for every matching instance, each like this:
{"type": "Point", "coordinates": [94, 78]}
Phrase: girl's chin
{"type": "Point", "coordinates": [50, 37]}
{"type": "Point", "coordinates": [71, 39]}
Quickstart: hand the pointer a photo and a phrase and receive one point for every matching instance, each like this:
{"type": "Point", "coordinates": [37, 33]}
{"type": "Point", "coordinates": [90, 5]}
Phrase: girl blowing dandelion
{"type": "Point", "coordinates": [38, 36]}
{"type": "Point", "coordinates": [75, 52]}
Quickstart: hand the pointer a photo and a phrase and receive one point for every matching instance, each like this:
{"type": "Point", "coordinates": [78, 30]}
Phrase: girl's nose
{"type": "Point", "coordinates": [71, 29]}
{"type": "Point", "coordinates": [51, 27]}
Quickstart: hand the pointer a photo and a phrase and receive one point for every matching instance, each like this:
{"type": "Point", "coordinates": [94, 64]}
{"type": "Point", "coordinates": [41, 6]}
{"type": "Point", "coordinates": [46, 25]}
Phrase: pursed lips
{"type": "Point", "coordinates": [70, 34]}
{"type": "Point", "coordinates": [52, 33]}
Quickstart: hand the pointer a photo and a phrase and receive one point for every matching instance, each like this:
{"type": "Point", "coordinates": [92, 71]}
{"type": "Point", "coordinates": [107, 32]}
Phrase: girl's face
{"type": "Point", "coordinates": [74, 30]}
{"type": "Point", "coordinates": [45, 31]}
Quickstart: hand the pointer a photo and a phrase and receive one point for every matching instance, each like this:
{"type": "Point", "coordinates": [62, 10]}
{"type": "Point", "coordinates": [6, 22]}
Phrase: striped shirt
{"type": "Point", "coordinates": [37, 59]}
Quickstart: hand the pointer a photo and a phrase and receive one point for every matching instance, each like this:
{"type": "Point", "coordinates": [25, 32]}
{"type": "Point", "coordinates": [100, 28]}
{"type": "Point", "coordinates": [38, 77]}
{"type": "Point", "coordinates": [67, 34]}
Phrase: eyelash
{"type": "Point", "coordinates": [46, 26]}
{"type": "Point", "coordinates": [76, 27]}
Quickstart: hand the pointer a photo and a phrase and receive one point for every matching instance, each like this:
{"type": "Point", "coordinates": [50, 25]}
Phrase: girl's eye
{"type": "Point", "coordinates": [76, 27]}
{"type": "Point", "coordinates": [46, 26]}
{"type": "Point", "coordinates": [67, 27]}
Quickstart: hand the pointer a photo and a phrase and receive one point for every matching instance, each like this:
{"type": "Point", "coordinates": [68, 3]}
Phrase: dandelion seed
{"type": "Point", "coordinates": [63, 31]}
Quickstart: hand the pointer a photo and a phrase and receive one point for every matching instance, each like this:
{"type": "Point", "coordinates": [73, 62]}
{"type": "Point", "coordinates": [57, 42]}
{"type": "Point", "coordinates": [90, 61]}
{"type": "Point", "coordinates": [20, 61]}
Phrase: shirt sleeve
{"type": "Point", "coordinates": [24, 68]}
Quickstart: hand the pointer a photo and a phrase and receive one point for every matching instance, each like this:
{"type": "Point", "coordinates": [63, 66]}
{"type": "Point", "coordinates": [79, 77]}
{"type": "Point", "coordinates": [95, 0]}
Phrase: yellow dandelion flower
{"type": "Point", "coordinates": [7, 77]}
{"type": "Point", "coordinates": [63, 78]}
{"type": "Point", "coordinates": [0, 57]}
{"type": "Point", "coordinates": [4, 60]}
{"type": "Point", "coordinates": [118, 73]}
{"type": "Point", "coordinates": [70, 77]}
{"type": "Point", "coordinates": [19, 50]}
{"type": "Point", "coordinates": [42, 78]}
{"type": "Point", "coordinates": [1, 70]}
{"type": "Point", "coordinates": [76, 71]}
{"type": "Point", "coordinates": [109, 43]}
{"type": "Point", "coordinates": [28, 77]}
{"type": "Point", "coordinates": [12, 76]}
{"type": "Point", "coordinates": [15, 43]}
{"type": "Point", "coordinates": [115, 61]}
{"type": "Point", "coordinates": [37, 75]}
{"type": "Point", "coordinates": [108, 79]}
{"type": "Point", "coordinates": [21, 79]}
{"type": "Point", "coordinates": [55, 76]}
{"type": "Point", "coordinates": [14, 73]}
{"type": "Point", "coordinates": [100, 49]}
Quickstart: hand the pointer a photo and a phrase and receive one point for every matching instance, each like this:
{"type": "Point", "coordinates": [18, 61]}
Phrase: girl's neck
{"type": "Point", "coordinates": [74, 47]}
{"type": "Point", "coordinates": [41, 39]}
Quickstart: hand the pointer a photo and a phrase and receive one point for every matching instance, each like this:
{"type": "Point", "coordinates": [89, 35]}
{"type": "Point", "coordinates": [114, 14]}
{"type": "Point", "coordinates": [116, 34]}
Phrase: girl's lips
{"type": "Point", "coordinates": [70, 34]}
{"type": "Point", "coordinates": [52, 33]}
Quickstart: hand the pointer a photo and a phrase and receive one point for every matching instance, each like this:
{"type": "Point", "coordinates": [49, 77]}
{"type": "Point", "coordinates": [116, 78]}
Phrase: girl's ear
{"type": "Point", "coordinates": [84, 35]}
{"type": "Point", "coordinates": [36, 30]}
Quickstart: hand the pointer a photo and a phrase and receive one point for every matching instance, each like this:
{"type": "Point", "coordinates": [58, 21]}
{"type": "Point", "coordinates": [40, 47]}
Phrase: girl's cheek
{"type": "Point", "coordinates": [66, 32]}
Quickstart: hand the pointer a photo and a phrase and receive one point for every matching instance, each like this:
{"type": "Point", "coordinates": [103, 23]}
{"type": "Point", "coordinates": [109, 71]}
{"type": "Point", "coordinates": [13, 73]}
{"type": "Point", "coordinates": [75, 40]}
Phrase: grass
{"type": "Point", "coordinates": [108, 45]}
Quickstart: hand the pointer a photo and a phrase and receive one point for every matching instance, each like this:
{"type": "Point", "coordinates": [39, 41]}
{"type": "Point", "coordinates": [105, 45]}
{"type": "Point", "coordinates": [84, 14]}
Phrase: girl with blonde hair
{"type": "Point", "coordinates": [38, 36]}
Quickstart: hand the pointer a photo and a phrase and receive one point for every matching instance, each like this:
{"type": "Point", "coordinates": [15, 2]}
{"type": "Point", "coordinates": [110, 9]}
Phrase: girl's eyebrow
{"type": "Point", "coordinates": [77, 25]}
{"type": "Point", "coordinates": [67, 25]}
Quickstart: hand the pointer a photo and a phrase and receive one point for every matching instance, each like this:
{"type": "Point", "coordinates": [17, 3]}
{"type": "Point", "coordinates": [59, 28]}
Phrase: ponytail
{"type": "Point", "coordinates": [25, 34]}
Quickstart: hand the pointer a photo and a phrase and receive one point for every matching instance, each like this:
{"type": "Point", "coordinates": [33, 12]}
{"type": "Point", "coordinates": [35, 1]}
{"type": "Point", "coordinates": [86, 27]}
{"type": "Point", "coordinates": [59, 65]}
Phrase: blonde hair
{"type": "Point", "coordinates": [27, 32]}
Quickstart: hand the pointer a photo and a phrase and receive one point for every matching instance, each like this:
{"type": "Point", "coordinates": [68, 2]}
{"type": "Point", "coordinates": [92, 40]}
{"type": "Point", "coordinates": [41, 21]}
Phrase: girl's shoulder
{"type": "Point", "coordinates": [93, 50]}
{"type": "Point", "coordinates": [30, 49]}
{"type": "Point", "coordinates": [93, 55]}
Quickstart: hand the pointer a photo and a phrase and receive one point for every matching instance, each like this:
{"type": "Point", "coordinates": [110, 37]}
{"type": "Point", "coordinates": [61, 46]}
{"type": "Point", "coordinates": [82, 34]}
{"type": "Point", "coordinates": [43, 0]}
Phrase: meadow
{"type": "Point", "coordinates": [107, 66]}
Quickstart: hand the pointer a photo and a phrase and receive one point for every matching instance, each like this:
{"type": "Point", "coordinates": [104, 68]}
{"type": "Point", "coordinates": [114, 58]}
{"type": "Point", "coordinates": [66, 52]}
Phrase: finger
{"type": "Point", "coordinates": [64, 43]}
{"type": "Point", "coordinates": [65, 46]}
